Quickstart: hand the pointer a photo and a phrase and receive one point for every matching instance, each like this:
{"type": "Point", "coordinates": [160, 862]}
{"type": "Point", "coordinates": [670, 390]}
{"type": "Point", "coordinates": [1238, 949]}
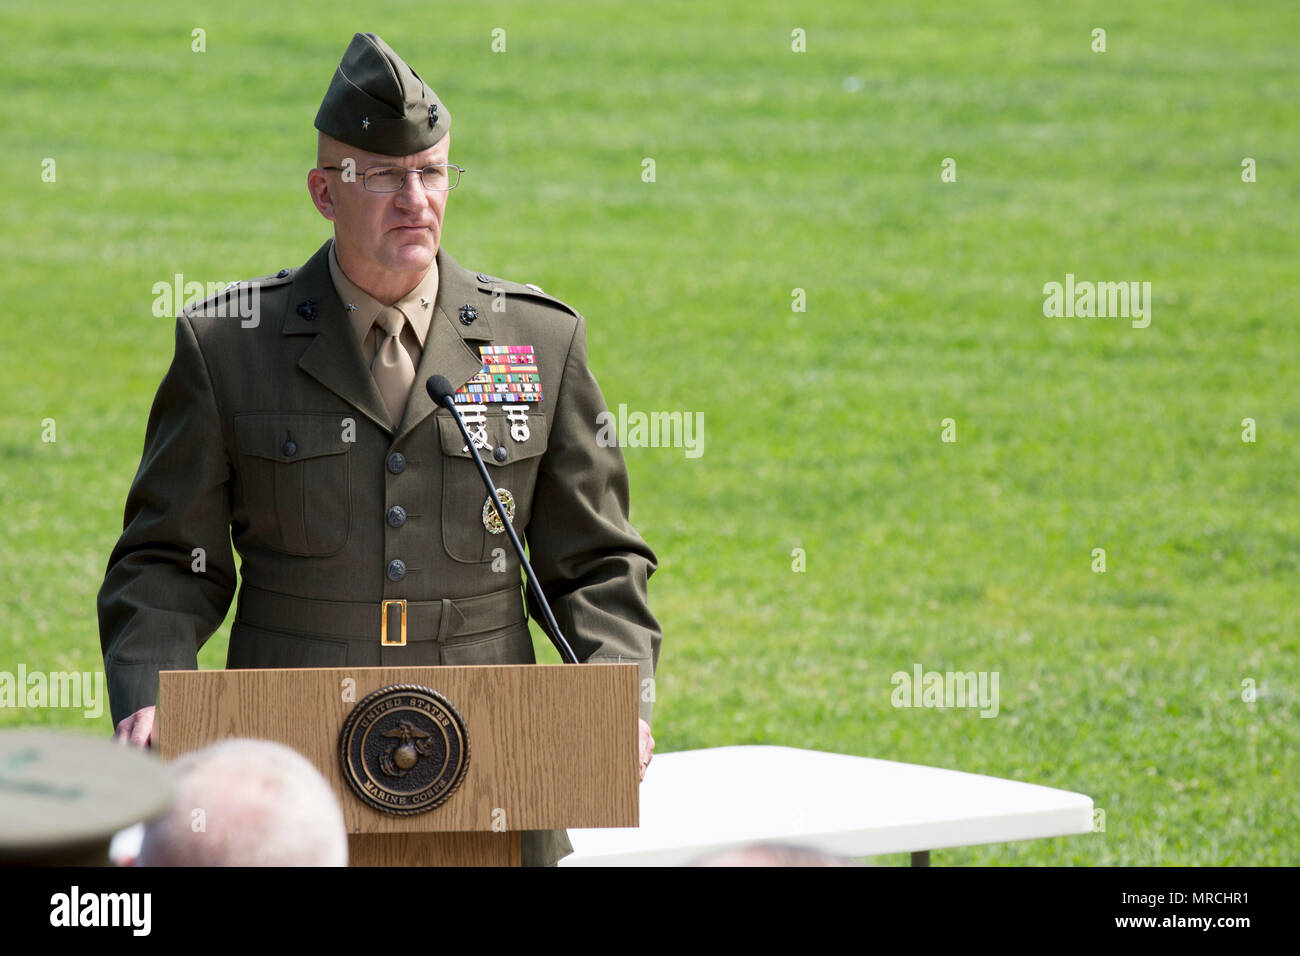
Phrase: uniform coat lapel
{"type": "Point", "coordinates": [333, 357]}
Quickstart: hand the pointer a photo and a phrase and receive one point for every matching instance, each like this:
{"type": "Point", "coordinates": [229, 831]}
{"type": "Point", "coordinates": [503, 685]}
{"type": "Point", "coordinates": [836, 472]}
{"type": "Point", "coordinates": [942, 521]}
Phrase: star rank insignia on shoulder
{"type": "Point", "coordinates": [495, 286]}
{"type": "Point", "coordinates": [240, 299]}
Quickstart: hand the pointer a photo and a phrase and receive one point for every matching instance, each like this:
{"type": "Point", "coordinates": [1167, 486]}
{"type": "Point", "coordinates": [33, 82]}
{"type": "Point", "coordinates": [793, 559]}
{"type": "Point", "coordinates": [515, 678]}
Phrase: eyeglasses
{"type": "Point", "coordinates": [390, 179]}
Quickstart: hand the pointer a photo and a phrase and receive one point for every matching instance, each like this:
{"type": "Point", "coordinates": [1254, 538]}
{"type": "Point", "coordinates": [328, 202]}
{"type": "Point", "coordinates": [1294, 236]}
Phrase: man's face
{"type": "Point", "coordinates": [394, 232]}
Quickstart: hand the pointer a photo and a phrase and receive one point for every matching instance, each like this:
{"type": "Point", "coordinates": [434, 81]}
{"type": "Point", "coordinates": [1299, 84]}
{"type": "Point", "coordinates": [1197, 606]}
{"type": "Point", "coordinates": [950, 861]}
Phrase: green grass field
{"type": "Point", "coordinates": [775, 171]}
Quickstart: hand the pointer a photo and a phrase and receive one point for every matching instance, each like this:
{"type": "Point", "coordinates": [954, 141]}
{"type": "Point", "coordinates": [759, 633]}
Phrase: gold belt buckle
{"type": "Point", "coordinates": [383, 623]}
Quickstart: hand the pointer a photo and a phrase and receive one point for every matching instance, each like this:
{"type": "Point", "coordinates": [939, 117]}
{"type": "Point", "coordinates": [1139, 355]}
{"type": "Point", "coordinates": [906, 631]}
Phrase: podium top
{"type": "Point", "coordinates": [546, 746]}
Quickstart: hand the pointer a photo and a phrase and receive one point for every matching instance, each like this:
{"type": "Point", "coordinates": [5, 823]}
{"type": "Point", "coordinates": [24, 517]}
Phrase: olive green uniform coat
{"type": "Point", "coordinates": [248, 440]}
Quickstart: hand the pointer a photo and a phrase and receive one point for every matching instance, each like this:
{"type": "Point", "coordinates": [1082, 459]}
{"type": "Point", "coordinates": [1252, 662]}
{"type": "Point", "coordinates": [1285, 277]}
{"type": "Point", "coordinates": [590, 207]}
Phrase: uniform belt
{"type": "Point", "coordinates": [361, 620]}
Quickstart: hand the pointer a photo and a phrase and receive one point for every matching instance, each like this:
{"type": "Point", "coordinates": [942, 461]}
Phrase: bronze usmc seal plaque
{"type": "Point", "coordinates": [404, 749]}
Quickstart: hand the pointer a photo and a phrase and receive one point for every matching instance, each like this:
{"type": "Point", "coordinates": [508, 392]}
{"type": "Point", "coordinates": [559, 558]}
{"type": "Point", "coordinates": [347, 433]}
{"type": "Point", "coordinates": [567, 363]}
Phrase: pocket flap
{"type": "Point", "coordinates": [290, 436]}
{"type": "Point", "coordinates": [497, 428]}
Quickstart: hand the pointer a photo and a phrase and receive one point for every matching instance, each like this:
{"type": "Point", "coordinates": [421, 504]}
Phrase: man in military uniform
{"type": "Point", "coordinates": [302, 429]}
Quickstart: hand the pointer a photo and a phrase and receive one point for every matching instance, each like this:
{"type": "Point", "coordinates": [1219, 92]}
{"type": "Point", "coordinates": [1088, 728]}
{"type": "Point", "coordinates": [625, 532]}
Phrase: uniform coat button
{"type": "Point", "coordinates": [499, 453]}
{"type": "Point", "coordinates": [290, 448]}
{"type": "Point", "coordinates": [396, 569]}
{"type": "Point", "coordinates": [396, 462]}
{"type": "Point", "coordinates": [396, 516]}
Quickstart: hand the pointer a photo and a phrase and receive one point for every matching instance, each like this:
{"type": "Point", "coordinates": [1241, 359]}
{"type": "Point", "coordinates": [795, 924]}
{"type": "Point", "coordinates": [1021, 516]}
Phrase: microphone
{"type": "Point", "coordinates": [441, 392]}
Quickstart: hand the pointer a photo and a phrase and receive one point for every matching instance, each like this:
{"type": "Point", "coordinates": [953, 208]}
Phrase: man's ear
{"type": "Point", "coordinates": [318, 185]}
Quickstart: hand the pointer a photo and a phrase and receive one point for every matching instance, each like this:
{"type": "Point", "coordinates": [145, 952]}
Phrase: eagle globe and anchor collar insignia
{"type": "Point", "coordinates": [404, 749]}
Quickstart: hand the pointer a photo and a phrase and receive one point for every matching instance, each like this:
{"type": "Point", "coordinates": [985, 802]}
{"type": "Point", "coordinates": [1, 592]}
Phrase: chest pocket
{"type": "Point", "coordinates": [465, 535]}
{"type": "Point", "coordinates": [296, 479]}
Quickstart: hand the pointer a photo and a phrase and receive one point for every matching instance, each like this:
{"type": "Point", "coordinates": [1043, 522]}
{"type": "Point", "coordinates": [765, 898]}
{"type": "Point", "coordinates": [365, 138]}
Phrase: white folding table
{"type": "Point", "coordinates": [698, 802]}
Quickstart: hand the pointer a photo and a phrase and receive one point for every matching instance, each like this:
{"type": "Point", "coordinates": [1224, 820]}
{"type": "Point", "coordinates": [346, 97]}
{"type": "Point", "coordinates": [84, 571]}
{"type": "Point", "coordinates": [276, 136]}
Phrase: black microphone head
{"type": "Point", "coordinates": [439, 388]}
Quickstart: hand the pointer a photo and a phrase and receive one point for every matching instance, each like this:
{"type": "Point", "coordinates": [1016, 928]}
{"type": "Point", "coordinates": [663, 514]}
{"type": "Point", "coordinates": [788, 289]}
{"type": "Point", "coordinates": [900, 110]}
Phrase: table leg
{"type": "Point", "coordinates": [921, 858]}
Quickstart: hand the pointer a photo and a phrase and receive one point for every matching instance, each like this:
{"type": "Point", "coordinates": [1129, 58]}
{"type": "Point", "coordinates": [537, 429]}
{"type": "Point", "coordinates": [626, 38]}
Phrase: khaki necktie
{"type": "Point", "coordinates": [392, 366]}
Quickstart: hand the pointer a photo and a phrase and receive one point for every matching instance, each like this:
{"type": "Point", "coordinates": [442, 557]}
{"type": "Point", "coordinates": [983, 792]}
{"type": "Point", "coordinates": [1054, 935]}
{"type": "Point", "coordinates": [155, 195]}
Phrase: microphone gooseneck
{"type": "Point", "coordinates": [442, 393]}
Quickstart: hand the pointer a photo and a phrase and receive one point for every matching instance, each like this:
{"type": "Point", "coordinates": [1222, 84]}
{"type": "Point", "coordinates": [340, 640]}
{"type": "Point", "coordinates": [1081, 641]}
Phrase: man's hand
{"type": "Point", "coordinates": [138, 730]}
{"type": "Point", "coordinates": [647, 744]}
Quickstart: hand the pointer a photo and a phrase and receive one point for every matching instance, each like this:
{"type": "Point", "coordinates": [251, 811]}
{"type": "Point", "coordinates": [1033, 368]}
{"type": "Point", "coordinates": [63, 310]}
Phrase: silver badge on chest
{"type": "Point", "coordinates": [517, 416]}
{"type": "Point", "coordinates": [475, 418]}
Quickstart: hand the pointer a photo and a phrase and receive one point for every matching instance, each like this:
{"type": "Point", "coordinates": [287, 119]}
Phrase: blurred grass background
{"type": "Point", "coordinates": [775, 170]}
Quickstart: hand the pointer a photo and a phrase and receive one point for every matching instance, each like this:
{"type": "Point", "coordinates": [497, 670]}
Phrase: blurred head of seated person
{"type": "Point", "coordinates": [773, 854]}
{"type": "Point", "coordinates": [247, 803]}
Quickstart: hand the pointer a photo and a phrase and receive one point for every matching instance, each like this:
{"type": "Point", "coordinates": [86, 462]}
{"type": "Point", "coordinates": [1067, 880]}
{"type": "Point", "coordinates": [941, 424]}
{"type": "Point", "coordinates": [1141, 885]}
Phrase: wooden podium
{"type": "Point", "coordinates": [550, 746]}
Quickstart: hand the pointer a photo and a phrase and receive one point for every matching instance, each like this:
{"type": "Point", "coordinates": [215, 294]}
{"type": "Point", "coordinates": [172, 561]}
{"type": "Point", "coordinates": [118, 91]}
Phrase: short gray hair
{"type": "Point", "coordinates": [247, 803]}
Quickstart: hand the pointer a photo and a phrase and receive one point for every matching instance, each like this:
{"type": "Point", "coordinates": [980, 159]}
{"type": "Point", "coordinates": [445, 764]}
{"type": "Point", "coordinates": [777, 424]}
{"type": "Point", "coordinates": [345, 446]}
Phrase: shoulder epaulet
{"type": "Point", "coordinates": [489, 284]}
{"type": "Point", "coordinates": [205, 306]}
